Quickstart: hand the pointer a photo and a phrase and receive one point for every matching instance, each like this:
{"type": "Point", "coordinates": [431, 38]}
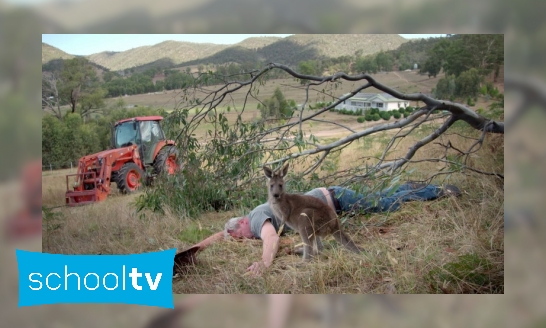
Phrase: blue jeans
{"type": "Point", "coordinates": [350, 201]}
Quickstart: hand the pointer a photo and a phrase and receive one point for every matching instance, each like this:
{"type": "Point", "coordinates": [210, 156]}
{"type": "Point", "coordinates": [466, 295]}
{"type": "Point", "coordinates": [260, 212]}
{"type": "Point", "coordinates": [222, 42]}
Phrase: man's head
{"type": "Point", "coordinates": [238, 228]}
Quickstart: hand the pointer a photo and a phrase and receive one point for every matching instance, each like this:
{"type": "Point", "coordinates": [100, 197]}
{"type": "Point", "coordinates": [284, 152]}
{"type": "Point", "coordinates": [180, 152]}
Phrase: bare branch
{"type": "Point", "coordinates": [460, 112]}
{"type": "Point", "coordinates": [443, 128]}
{"type": "Point", "coordinates": [354, 136]}
{"type": "Point", "coordinates": [275, 143]}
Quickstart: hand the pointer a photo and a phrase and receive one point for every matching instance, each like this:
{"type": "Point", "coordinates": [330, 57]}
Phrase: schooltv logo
{"type": "Point", "coordinates": [143, 279]}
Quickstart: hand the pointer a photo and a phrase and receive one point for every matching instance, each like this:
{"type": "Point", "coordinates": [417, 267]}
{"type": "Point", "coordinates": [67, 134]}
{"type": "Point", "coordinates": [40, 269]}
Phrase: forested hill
{"type": "Point", "coordinates": [289, 50]}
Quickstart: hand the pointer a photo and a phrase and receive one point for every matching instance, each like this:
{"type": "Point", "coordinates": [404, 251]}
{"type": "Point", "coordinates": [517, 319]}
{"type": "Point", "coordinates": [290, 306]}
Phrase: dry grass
{"type": "Point", "coordinates": [401, 250]}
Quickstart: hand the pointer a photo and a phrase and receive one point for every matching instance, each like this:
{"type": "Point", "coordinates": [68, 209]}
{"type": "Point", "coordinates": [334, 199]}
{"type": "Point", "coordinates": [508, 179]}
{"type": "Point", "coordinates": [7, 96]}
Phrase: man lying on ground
{"type": "Point", "coordinates": [260, 223]}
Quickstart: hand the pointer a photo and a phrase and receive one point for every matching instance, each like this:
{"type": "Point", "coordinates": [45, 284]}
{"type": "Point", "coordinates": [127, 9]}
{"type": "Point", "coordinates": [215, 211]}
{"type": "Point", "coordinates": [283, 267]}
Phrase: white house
{"type": "Point", "coordinates": [382, 101]}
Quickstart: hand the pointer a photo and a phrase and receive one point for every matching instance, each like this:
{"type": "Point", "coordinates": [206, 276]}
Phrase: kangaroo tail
{"type": "Point", "coordinates": [344, 240]}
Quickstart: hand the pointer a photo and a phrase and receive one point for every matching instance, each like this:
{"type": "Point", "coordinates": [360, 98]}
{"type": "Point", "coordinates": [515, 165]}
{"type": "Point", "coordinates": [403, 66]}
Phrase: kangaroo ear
{"type": "Point", "coordinates": [284, 170]}
{"type": "Point", "coordinates": [268, 172]}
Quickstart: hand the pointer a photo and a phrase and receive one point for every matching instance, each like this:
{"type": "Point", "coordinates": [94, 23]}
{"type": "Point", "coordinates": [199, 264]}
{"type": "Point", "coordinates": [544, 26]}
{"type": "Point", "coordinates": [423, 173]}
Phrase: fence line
{"type": "Point", "coordinates": [50, 167]}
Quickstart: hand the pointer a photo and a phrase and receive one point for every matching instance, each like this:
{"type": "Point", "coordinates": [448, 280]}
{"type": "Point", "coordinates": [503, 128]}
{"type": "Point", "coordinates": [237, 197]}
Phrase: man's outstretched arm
{"type": "Point", "coordinates": [208, 241]}
{"type": "Point", "coordinates": [270, 248]}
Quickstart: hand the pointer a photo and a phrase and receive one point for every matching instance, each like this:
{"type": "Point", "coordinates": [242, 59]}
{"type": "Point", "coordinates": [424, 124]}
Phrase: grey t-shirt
{"type": "Point", "coordinates": [262, 213]}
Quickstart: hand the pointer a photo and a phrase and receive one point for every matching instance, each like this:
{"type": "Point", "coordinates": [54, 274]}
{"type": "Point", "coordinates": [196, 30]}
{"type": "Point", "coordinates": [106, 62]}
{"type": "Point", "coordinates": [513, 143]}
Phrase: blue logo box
{"type": "Point", "coordinates": [142, 279]}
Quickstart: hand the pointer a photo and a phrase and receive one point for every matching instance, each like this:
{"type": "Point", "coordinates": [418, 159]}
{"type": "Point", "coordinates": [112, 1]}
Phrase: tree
{"type": "Point", "coordinates": [468, 83]}
{"type": "Point", "coordinates": [277, 106]}
{"type": "Point", "coordinates": [65, 141]}
{"type": "Point", "coordinates": [445, 88]}
{"type": "Point", "coordinates": [458, 54]}
{"type": "Point", "coordinates": [108, 76]}
{"type": "Point", "coordinates": [78, 78]}
{"type": "Point", "coordinates": [367, 64]}
{"type": "Point", "coordinates": [307, 68]}
{"type": "Point", "coordinates": [51, 99]}
{"type": "Point", "coordinates": [456, 58]}
{"type": "Point", "coordinates": [384, 61]}
{"type": "Point", "coordinates": [485, 51]}
{"type": "Point", "coordinates": [432, 66]}
{"type": "Point", "coordinates": [92, 102]}
{"type": "Point", "coordinates": [403, 61]}
{"type": "Point", "coordinates": [436, 58]}
{"type": "Point", "coordinates": [233, 69]}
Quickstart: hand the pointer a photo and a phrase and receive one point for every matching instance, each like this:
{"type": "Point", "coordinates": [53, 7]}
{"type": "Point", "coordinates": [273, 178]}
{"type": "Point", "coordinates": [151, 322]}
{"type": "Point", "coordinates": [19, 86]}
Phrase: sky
{"type": "Point", "coordinates": [87, 44]}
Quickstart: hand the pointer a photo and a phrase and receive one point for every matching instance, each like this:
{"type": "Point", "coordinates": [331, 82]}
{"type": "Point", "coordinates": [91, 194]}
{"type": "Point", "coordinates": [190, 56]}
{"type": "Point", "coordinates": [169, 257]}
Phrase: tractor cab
{"type": "Point", "coordinates": [145, 132]}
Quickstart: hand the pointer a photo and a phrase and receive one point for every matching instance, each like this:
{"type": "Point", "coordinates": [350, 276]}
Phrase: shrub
{"type": "Point", "coordinates": [360, 119]}
{"type": "Point", "coordinates": [468, 83]}
{"type": "Point", "coordinates": [470, 102]}
{"type": "Point", "coordinates": [396, 115]}
{"type": "Point", "coordinates": [494, 92]}
{"type": "Point", "coordinates": [376, 117]}
{"type": "Point", "coordinates": [368, 117]}
{"type": "Point", "coordinates": [490, 89]}
{"type": "Point", "coordinates": [386, 115]}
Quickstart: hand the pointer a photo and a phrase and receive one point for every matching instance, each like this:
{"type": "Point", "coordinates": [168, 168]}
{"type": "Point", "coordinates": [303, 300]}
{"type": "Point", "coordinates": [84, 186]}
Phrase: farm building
{"type": "Point", "coordinates": [382, 101]}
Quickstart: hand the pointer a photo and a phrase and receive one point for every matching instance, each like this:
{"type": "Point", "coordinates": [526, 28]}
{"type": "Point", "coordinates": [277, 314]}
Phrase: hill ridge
{"type": "Point", "coordinates": [287, 50]}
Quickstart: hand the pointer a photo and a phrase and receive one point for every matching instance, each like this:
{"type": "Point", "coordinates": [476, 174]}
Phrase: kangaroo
{"type": "Point", "coordinates": [308, 215]}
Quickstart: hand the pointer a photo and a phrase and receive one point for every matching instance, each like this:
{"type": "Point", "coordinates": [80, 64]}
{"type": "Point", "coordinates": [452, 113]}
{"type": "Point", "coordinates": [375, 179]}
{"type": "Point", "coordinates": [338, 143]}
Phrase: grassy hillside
{"type": "Point", "coordinates": [176, 51]}
{"type": "Point", "coordinates": [50, 53]}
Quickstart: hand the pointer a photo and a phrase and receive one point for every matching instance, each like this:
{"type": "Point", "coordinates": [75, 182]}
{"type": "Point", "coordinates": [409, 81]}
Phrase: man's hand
{"type": "Point", "coordinates": [256, 268]}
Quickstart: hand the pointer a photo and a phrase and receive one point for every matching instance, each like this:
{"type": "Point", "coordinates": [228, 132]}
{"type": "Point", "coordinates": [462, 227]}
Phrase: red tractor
{"type": "Point", "coordinates": [139, 152]}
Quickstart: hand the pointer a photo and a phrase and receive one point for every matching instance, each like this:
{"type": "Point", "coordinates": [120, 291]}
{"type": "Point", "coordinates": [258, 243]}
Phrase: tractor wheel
{"type": "Point", "coordinates": [114, 177]}
{"type": "Point", "coordinates": [166, 161]}
{"type": "Point", "coordinates": [129, 178]}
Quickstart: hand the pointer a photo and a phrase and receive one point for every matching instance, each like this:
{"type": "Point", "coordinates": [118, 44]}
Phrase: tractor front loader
{"type": "Point", "coordinates": [140, 152]}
